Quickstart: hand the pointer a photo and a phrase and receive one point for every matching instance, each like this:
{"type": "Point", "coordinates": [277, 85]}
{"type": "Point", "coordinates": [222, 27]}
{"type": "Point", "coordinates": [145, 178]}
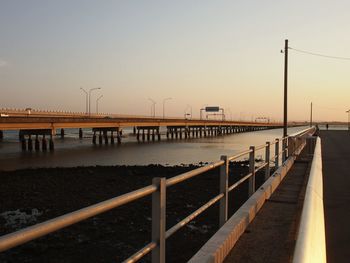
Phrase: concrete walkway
{"type": "Point", "coordinates": [336, 194]}
{"type": "Point", "coordinates": [271, 235]}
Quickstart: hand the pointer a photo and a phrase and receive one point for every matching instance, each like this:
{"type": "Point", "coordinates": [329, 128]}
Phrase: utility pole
{"type": "Point", "coordinates": [285, 88]}
{"type": "Point", "coordinates": [311, 116]}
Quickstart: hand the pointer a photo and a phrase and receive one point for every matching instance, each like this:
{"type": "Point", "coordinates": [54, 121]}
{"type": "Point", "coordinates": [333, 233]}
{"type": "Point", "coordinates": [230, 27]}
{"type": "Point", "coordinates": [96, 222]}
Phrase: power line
{"type": "Point", "coordinates": [319, 55]}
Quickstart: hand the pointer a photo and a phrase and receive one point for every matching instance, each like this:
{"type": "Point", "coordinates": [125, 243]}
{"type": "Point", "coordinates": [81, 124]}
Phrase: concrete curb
{"type": "Point", "coordinates": [221, 243]}
{"type": "Point", "coordinates": [311, 241]}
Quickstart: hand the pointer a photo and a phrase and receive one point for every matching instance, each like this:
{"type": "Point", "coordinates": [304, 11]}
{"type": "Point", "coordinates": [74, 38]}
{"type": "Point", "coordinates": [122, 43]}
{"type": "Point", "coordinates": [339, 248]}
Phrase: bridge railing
{"type": "Point", "coordinates": [158, 191]}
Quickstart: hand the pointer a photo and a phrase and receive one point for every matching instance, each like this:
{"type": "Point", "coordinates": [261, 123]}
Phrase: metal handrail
{"type": "Point", "coordinates": [27, 234]}
{"type": "Point", "coordinates": [190, 174]}
{"type": "Point", "coordinates": [141, 253]}
{"type": "Point", "coordinates": [193, 215]}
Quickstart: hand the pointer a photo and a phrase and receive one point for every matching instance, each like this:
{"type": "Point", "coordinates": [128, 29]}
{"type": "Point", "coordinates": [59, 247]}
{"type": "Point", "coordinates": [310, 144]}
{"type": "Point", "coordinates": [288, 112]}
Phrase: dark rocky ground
{"type": "Point", "coordinates": [36, 195]}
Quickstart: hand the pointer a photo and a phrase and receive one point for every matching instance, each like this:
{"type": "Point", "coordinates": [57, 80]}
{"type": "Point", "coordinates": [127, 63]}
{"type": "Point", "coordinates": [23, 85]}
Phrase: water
{"type": "Point", "coordinates": [71, 152]}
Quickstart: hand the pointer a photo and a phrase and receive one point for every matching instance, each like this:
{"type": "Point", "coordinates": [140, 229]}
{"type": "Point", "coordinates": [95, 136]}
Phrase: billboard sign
{"type": "Point", "coordinates": [212, 109]}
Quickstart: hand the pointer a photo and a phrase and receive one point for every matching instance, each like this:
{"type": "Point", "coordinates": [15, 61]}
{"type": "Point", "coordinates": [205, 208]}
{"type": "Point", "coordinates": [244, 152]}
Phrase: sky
{"type": "Point", "coordinates": [198, 53]}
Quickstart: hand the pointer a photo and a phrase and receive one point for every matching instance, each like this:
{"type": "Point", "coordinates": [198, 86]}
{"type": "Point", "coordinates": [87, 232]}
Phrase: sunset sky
{"type": "Point", "coordinates": [224, 53]}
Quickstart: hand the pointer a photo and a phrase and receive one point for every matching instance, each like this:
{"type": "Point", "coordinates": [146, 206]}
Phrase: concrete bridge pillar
{"type": "Point", "coordinates": [37, 143]}
{"type": "Point", "coordinates": [153, 135]}
{"type": "Point", "coordinates": [176, 133]}
{"type": "Point", "coordinates": [148, 134]}
{"type": "Point", "coordinates": [112, 138]}
{"type": "Point", "coordinates": [180, 133]}
{"type": "Point", "coordinates": [143, 135]}
{"type": "Point", "coordinates": [119, 136]}
{"type": "Point", "coordinates": [138, 135]}
{"type": "Point", "coordinates": [1, 135]}
{"type": "Point", "coordinates": [134, 130]}
{"type": "Point", "coordinates": [193, 132]}
{"type": "Point", "coordinates": [23, 144]}
{"type": "Point", "coordinates": [200, 132]}
{"type": "Point", "coordinates": [44, 144]}
{"type": "Point", "coordinates": [172, 133]}
{"type": "Point", "coordinates": [158, 134]}
{"type": "Point", "coordinates": [62, 133]}
{"type": "Point", "coordinates": [94, 138]}
{"type": "Point", "coordinates": [205, 131]}
{"type": "Point", "coordinates": [100, 138]}
{"type": "Point", "coordinates": [30, 143]}
{"type": "Point", "coordinates": [51, 144]}
{"type": "Point", "coordinates": [80, 133]}
{"type": "Point", "coordinates": [105, 136]}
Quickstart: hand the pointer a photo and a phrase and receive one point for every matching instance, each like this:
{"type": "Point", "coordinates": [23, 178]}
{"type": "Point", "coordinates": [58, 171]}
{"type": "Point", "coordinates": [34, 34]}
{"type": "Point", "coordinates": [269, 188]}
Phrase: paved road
{"type": "Point", "coordinates": [336, 184]}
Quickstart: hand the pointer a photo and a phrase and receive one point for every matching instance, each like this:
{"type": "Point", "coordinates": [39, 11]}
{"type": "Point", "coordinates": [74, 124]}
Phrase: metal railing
{"type": "Point", "coordinates": [158, 192]}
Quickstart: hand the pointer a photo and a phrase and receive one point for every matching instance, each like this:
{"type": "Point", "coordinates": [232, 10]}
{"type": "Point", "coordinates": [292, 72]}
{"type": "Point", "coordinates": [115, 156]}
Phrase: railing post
{"type": "Point", "coordinates": [267, 161]}
{"type": "Point", "coordinates": [277, 153]}
{"type": "Point", "coordinates": [252, 170]}
{"type": "Point", "coordinates": [291, 146]}
{"type": "Point", "coordinates": [158, 220]}
{"type": "Point", "coordinates": [223, 189]}
{"type": "Point", "coordinates": [284, 149]}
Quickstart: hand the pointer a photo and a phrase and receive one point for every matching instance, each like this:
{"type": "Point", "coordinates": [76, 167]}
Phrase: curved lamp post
{"type": "Point", "coordinates": [90, 90]}
{"type": "Point", "coordinates": [153, 107]}
{"type": "Point", "coordinates": [164, 100]}
{"type": "Point", "coordinates": [86, 100]}
{"type": "Point", "coordinates": [97, 103]}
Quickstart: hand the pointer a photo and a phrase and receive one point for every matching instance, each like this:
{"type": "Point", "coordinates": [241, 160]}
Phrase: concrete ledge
{"type": "Point", "coordinates": [311, 241]}
{"type": "Point", "coordinates": [221, 243]}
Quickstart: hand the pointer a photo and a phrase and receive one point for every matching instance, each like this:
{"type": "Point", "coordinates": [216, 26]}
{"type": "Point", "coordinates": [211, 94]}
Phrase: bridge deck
{"type": "Point", "coordinates": [336, 193]}
{"type": "Point", "coordinates": [271, 235]}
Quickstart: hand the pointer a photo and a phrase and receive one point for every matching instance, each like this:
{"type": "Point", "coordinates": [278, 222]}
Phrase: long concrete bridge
{"type": "Point", "coordinates": [108, 128]}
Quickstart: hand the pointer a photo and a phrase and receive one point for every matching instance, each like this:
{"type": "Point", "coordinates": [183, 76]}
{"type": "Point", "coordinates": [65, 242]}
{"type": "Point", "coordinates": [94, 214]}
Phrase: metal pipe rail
{"type": "Point", "coordinates": [158, 192]}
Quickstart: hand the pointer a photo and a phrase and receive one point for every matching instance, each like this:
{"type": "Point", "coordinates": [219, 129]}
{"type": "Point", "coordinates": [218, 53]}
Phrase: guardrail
{"type": "Point", "coordinates": [158, 192]}
{"type": "Point", "coordinates": [311, 241]}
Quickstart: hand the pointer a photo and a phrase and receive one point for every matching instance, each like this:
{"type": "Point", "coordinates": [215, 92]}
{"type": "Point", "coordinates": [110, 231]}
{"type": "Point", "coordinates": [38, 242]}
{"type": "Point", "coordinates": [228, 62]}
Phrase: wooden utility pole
{"type": "Point", "coordinates": [285, 88]}
{"type": "Point", "coordinates": [311, 115]}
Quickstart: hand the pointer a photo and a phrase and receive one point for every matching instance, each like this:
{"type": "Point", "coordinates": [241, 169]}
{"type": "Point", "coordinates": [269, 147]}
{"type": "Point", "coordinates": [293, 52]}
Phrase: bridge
{"type": "Point", "coordinates": [108, 128]}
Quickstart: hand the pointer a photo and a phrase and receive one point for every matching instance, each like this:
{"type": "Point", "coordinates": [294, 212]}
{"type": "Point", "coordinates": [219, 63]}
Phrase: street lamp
{"type": "Point", "coordinates": [90, 98]}
{"type": "Point", "coordinates": [86, 100]}
{"type": "Point", "coordinates": [153, 107]}
{"type": "Point", "coordinates": [188, 114]}
{"type": "Point", "coordinates": [348, 112]}
{"type": "Point", "coordinates": [97, 103]}
{"type": "Point", "coordinates": [164, 106]}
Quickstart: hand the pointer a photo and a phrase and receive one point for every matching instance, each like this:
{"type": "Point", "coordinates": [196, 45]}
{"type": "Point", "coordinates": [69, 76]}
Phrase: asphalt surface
{"type": "Point", "coordinates": [336, 193]}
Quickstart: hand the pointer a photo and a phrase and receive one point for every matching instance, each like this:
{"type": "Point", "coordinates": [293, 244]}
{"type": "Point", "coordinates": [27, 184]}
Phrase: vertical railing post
{"type": "Point", "coordinates": [284, 149]}
{"type": "Point", "coordinates": [223, 189]}
{"type": "Point", "coordinates": [291, 146]}
{"type": "Point", "coordinates": [158, 220]}
{"type": "Point", "coordinates": [252, 170]}
{"type": "Point", "coordinates": [277, 153]}
{"type": "Point", "coordinates": [267, 161]}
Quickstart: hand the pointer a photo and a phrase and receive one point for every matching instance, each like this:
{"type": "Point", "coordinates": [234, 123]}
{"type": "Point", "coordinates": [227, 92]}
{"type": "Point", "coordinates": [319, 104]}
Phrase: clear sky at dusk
{"type": "Point", "coordinates": [224, 53]}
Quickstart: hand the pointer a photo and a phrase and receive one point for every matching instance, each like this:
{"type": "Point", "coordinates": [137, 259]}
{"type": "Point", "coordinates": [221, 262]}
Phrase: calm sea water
{"type": "Point", "coordinates": [71, 151]}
